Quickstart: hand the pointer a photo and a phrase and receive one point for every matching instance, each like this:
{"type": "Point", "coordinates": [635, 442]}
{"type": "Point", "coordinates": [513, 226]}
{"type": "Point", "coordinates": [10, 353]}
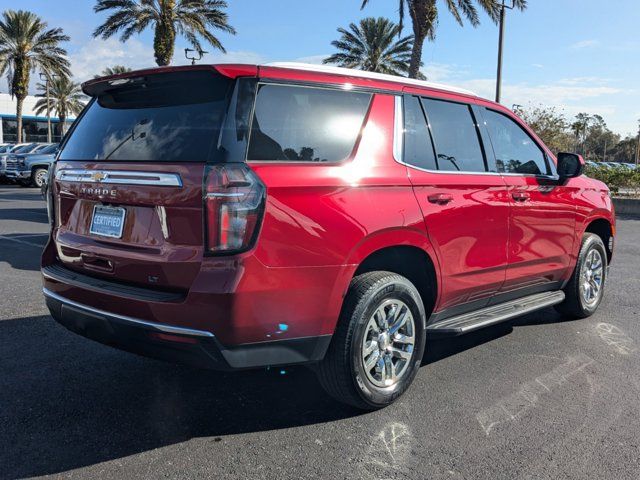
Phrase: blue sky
{"type": "Point", "coordinates": [578, 55]}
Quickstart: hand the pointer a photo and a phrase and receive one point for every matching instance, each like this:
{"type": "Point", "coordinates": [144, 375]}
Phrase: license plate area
{"type": "Point", "coordinates": [107, 221]}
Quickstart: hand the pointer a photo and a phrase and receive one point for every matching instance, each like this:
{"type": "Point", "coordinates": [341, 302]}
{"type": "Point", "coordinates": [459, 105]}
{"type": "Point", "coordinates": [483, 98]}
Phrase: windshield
{"type": "Point", "coordinates": [171, 117]}
{"type": "Point", "coordinates": [24, 148]}
{"type": "Point", "coordinates": [48, 149]}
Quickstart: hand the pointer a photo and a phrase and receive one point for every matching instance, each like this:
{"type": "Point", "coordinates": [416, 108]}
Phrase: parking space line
{"type": "Point", "coordinates": [24, 242]}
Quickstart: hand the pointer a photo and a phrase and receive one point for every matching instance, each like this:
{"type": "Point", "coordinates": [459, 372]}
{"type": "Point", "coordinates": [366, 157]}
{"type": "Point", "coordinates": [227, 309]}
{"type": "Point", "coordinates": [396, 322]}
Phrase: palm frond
{"type": "Point", "coordinates": [372, 45]}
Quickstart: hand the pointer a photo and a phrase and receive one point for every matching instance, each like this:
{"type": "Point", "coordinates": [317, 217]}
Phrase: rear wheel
{"type": "Point", "coordinates": [378, 344]}
{"type": "Point", "coordinates": [39, 177]}
{"type": "Point", "coordinates": [586, 286]}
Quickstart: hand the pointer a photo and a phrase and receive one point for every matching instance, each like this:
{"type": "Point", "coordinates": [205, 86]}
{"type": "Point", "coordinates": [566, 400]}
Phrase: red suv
{"type": "Point", "coordinates": [239, 216]}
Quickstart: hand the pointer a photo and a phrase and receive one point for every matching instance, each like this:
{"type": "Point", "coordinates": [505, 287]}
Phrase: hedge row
{"type": "Point", "coordinates": [622, 181]}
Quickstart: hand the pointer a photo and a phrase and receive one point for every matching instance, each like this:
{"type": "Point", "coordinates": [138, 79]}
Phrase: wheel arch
{"type": "Point", "coordinates": [604, 228]}
{"type": "Point", "coordinates": [399, 250]}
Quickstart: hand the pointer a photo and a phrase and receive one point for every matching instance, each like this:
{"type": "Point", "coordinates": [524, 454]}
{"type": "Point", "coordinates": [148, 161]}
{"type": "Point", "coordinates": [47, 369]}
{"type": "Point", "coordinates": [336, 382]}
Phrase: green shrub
{"type": "Point", "coordinates": [622, 181]}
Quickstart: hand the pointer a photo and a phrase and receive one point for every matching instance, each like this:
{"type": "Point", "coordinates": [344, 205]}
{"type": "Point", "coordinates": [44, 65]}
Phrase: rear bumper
{"type": "Point", "coordinates": [198, 348]}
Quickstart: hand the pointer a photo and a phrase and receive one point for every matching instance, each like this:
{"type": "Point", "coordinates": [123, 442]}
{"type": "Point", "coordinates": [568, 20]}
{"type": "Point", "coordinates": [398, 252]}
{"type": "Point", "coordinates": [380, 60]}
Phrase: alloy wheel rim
{"type": "Point", "coordinates": [40, 178]}
{"type": "Point", "coordinates": [388, 343]}
{"type": "Point", "coordinates": [591, 278]}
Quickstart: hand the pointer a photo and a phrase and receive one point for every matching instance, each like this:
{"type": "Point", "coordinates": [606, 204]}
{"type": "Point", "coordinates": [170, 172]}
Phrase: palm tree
{"type": "Point", "coordinates": [424, 18]}
{"type": "Point", "coordinates": [190, 18]}
{"type": "Point", "coordinates": [372, 46]}
{"type": "Point", "coordinates": [115, 70]}
{"type": "Point", "coordinates": [66, 98]}
{"type": "Point", "coordinates": [26, 45]}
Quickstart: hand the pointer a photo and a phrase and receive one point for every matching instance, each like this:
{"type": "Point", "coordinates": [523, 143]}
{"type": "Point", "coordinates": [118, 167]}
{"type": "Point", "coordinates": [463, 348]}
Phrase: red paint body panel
{"type": "Point", "coordinates": [320, 222]}
{"type": "Point", "coordinates": [468, 233]}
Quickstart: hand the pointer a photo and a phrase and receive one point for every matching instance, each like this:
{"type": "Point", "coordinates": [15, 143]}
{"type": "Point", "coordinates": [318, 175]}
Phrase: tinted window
{"type": "Point", "coordinates": [163, 118]}
{"type": "Point", "coordinates": [49, 149]}
{"type": "Point", "coordinates": [418, 149]}
{"type": "Point", "coordinates": [515, 150]}
{"type": "Point", "coordinates": [455, 136]}
{"type": "Point", "coordinates": [306, 124]}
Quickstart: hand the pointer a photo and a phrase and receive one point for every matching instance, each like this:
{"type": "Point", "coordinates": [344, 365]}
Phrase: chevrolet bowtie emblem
{"type": "Point", "coordinates": [98, 176]}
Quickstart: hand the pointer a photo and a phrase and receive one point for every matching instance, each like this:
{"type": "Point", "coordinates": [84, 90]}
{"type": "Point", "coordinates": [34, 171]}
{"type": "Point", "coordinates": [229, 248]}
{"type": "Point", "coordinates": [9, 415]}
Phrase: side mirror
{"type": "Point", "coordinates": [570, 165]}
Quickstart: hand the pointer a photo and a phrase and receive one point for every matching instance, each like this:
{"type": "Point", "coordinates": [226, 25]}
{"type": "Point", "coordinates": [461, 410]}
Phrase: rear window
{"type": "Point", "coordinates": [171, 117]}
{"type": "Point", "coordinates": [293, 123]}
{"type": "Point", "coordinates": [455, 136]}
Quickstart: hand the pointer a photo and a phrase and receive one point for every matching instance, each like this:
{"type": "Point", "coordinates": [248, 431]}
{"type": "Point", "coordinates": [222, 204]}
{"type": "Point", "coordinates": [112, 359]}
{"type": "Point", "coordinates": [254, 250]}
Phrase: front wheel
{"type": "Point", "coordinates": [585, 288]}
{"type": "Point", "coordinates": [378, 344]}
{"type": "Point", "coordinates": [39, 177]}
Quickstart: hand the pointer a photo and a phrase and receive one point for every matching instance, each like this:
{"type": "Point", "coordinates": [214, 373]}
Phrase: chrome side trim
{"type": "Point", "coordinates": [151, 325]}
{"type": "Point", "coordinates": [119, 177]}
{"type": "Point", "coordinates": [398, 129]}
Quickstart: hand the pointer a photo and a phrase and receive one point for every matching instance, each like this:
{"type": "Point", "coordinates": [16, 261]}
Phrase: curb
{"type": "Point", "coordinates": [627, 206]}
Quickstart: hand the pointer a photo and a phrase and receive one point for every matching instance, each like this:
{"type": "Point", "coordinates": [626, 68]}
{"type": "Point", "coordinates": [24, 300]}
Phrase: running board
{"type": "Point", "coordinates": [484, 317]}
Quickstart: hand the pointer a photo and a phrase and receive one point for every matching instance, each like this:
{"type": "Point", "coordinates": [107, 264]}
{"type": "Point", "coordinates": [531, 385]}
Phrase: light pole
{"type": "Point", "coordinates": [638, 146]}
{"type": "Point", "coordinates": [45, 77]}
{"type": "Point", "coordinates": [503, 7]}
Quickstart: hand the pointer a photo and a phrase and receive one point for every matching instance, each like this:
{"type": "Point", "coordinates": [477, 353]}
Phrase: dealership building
{"type": "Point", "coordinates": [34, 127]}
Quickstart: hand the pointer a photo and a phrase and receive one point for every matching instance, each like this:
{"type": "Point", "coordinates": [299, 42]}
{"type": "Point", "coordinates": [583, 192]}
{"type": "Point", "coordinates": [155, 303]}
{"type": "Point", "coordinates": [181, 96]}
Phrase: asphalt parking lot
{"type": "Point", "coordinates": [540, 397]}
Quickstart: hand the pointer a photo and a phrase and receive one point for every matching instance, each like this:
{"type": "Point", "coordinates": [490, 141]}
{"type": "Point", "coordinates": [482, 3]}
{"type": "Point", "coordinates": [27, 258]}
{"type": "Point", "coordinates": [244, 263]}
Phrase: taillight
{"type": "Point", "coordinates": [234, 203]}
{"type": "Point", "coordinates": [48, 192]}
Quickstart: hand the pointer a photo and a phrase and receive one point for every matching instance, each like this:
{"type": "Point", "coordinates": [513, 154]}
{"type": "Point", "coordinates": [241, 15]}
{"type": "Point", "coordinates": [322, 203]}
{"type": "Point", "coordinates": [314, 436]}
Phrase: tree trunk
{"type": "Point", "coordinates": [62, 119]}
{"type": "Point", "coordinates": [19, 118]}
{"type": "Point", "coordinates": [163, 44]}
{"type": "Point", "coordinates": [416, 57]}
{"type": "Point", "coordinates": [423, 16]}
{"type": "Point", "coordinates": [165, 35]}
{"type": "Point", "coordinates": [19, 88]}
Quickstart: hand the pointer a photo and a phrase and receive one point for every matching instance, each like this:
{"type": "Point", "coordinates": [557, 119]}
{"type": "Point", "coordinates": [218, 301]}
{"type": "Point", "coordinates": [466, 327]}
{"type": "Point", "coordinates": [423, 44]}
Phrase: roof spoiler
{"type": "Point", "coordinates": [99, 86]}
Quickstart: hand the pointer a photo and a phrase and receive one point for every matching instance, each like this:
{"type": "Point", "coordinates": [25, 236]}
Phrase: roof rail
{"type": "Point", "coordinates": [372, 75]}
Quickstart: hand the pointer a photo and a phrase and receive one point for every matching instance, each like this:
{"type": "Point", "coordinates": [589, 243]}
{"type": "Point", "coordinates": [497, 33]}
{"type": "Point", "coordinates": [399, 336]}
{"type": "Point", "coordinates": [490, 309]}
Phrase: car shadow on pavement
{"type": "Point", "coordinates": [36, 215]}
{"type": "Point", "coordinates": [68, 402]}
{"type": "Point", "coordinates": [22, 251]}
{"type": "Point", "coordinates": [34, 196]}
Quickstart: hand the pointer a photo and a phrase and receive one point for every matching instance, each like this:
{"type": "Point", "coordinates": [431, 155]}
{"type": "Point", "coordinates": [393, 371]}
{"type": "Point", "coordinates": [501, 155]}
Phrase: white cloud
{"type": "Point", "coordinates": [439, 72]}
{"type": "Point", "coordinates": [239, 56]}
{"type": "Point", "coordinates": [314, 59]}
{"type": "Point", "coordinates": [98, 54]}
{"type": "Point", "coordinates": [585, 44]}
{"type": "Point", "coordinates": [537, 65]}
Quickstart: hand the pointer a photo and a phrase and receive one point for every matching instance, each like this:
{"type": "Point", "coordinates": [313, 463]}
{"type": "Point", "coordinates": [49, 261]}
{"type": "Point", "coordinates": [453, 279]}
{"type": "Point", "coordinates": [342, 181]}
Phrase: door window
{"type": "Point", "coordinates": [455, 136]}
{"type": "Point", "coordinates": [418, 147]}
{"type": "Point", "coordinates": [515, 150]}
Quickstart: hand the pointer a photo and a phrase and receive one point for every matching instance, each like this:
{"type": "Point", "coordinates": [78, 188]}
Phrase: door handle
{"type": "Point", "coordinates": [521, 196]}
{"type": "Point", "coordinates": [440, 198]}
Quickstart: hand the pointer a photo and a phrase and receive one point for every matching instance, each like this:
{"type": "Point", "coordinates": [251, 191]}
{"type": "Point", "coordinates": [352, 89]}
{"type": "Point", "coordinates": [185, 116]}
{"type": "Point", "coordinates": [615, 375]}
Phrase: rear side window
{"type": "Point", "coordinates": [418, 148]}
{"type": "Point", "coordinates": [455, 136]}
{"type": "Point", "coordinates": [515, 150]}
{"type": "Point", "coordinates": [292, 123]}
{"type": "Point", "coordinates": [171, 117]}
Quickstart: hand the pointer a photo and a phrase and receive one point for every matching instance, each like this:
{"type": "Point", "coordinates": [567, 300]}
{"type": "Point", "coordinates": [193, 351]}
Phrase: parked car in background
{"type": "Point", "coordinates": [8, 149]}
{"type": "Point", "coordinates": [242, 216]}
{"type": "Point", "coordinates": [30, 169]}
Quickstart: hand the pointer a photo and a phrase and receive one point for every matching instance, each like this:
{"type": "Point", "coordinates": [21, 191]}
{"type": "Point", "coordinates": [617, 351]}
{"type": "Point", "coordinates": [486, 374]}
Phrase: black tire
{"type": "Point", "coordinates": [341, 372]}
{"type": "Point", "coordinates": [574, 304]}
{"type": "Point", "coordinates": [38, 177]}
